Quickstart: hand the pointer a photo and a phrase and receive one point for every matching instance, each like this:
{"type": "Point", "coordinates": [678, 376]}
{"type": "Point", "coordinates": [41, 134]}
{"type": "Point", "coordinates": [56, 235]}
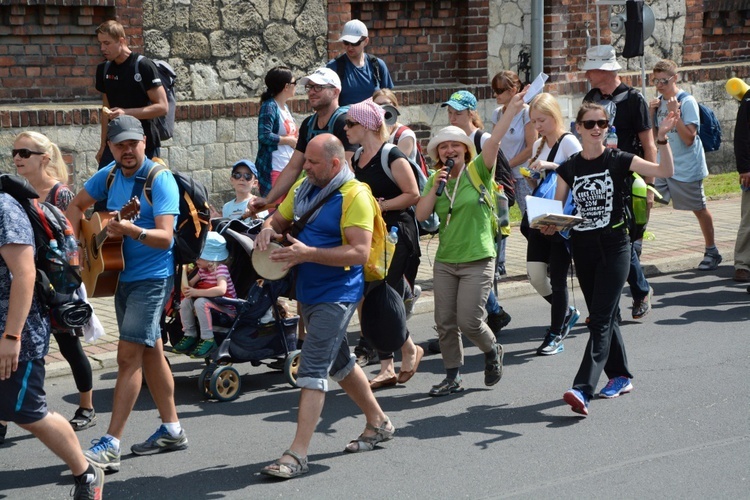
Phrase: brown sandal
{"type": "Point", "coordinates": [287, 470]}
{"type": "Point", "coordinates": [367, 443]}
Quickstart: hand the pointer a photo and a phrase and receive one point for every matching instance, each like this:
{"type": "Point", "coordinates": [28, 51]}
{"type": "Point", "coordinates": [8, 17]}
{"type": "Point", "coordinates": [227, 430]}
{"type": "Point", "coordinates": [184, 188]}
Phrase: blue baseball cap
{"type": "Point", "coordinates": [461, 100]}
{"type": "Point", "coordinates": [248, 164]}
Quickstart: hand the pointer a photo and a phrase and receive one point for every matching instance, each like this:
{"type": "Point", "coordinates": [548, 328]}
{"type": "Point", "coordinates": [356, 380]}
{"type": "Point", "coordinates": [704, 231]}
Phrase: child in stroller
{"type": "Point", "coordinates": [211, 281]}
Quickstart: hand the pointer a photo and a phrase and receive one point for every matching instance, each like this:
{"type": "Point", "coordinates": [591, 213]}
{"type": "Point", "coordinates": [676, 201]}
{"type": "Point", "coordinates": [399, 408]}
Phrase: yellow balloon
{"type": "Point", "coordinates": [737, 88]}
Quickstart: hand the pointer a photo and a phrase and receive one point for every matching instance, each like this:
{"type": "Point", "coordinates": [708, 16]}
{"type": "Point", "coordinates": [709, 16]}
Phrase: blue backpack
{"type": "Point", "coordinates": [709, 129]}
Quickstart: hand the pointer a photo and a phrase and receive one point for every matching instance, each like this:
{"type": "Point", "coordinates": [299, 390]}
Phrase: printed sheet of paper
{"type": "Point", "coordinates": [536, 87]}
{"type": "Point", "coordinates": [544, 212]}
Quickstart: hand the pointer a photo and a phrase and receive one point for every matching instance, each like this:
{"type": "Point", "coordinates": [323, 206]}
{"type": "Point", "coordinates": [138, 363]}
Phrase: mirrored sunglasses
{"type": "Point", "coordinates": [240, 175]}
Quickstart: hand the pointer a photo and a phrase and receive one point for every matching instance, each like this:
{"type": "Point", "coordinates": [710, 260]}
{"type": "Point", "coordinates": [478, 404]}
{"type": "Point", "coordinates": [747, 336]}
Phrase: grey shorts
{"type": "Point", "coordinates": [684, 195]}
{"type": "Point", "coordinates": [325, 351]}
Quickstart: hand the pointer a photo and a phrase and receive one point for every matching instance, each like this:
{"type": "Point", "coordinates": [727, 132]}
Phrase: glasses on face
{"type": "Point", "coordinates": [355, 44]}
{"type": "Point", "coordinates": [293, 82]}
{"type": "Point", "coordinates": [589, 124]}
{"type": "Point", "coordinates": [240, 175]}
{"type": "Point", "coordinates": [24, 153]}
{"type": "Point", "coordinates": [498, 91]}
{"type": "Point", "coordinates": [351, 123]}
{"type": "Point", "coordinates": [661, 81]}
{"type": "Point", "coordinates": [317, 88]}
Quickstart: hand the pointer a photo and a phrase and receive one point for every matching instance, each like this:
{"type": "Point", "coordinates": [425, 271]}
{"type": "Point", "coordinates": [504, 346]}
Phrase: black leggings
{"type": "Point", "coordinates": [602, 266]}
{"type": "Point", "coordinates": [72, 351]}
{"type": "Point", "coordinates": [553, 251]}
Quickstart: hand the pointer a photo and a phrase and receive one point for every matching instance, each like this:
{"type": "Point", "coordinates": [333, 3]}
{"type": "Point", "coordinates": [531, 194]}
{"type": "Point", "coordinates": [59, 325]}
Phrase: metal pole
{"type": "Point", "coordinates": [537, 37]}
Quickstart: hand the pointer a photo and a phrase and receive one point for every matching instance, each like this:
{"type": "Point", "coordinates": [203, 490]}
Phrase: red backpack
{"type": "Point", "coordinates": [420, 160]}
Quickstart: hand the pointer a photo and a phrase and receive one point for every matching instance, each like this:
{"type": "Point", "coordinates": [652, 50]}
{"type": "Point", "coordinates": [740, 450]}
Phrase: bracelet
{"type": "Point", "coordinates": [10, 336]}
{"type": "Point", "coordinates": [662, 143]}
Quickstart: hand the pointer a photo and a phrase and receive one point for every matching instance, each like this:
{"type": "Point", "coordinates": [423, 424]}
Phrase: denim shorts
{"type": "Point", "coordinates": [325, 350]}
{"type": "Point", "coordinates": [22, 396]}
{"type": "Point", "coordinates": [139, 306]}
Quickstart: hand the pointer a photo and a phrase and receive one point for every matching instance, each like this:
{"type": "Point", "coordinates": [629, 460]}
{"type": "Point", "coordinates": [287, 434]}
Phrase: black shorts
{"type": "Point", "coordinates": [22, 396]}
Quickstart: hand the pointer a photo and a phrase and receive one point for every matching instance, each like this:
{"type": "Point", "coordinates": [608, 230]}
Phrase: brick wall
{"type": "Point", "coordinates": [725, 31]}
{"type": "Point", "coordinates": [422, 42]}
{"type": "Point", "coordinates": [49, 48]}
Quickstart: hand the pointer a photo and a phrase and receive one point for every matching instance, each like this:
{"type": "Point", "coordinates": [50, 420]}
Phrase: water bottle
{"type": "Point", "coordinates": [71, 250]}
{"type": "Point", "coordinates": [56, 267]}
{"type": "Point", "coordinates": [640, 204]}
{"type": "Point", "coordinates": [393, 235]}
{"type": "Point", "coordinates": [611, 140]}
{"type": "Point", "coordinates": [502, 207]}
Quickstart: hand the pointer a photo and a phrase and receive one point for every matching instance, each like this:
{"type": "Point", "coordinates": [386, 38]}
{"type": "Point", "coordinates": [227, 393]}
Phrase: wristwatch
{"type": "Point", "coordinates": [142, 236]}
{"type": "Point", "coordinates": [10, 336]}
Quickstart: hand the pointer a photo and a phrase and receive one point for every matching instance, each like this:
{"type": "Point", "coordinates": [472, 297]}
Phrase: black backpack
{"type": "Point", "coordinates": [374, 68]}
{"type": "Point", "coordinates": [194, 219]}
{"type": "Point", "coordinates": [66, 310]}
{"type": "Point", "coordinates": [503, 171]}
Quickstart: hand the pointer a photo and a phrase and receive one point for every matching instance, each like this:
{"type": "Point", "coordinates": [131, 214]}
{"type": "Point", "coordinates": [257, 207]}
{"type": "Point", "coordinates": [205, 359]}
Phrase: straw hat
{"type": "Point", "coordinates": [449, 133]}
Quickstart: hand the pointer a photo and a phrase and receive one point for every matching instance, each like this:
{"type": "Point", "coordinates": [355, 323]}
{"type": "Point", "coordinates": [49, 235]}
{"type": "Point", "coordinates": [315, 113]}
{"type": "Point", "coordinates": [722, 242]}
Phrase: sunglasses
{"type": "Point", "coordinates": [24, 153]}
{"type": "Point", "coordinates": [293, 82]}
{"type": "Point", "coordinates": [661, 81]}
{"type": "Point", "coordinates": [351, 124]}
{"type": "Point", "coordinates": [240, 175]}
{"type": "Point", "coordinates": [499, 91]}
{"type": "Point", "coordinates": [355, 44]}
{"type": "Point", "coordinates": [589, 124]}
{"type": "Point", "coordinates": [317, 88]}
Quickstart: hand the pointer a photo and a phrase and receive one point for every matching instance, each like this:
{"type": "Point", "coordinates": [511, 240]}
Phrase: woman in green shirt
{"type": "Point", "coordinates": [464, 263]}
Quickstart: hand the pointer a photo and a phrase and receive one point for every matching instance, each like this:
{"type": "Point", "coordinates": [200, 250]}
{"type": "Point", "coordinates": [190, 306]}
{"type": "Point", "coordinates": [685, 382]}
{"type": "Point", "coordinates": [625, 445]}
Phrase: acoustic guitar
{"type": "Point", "coordinates": [102, 260]}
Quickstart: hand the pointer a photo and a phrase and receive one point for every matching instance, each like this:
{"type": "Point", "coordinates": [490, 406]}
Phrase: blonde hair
{"type": "Point", "coordinates": [388, 94]}
{"type": "Point", "coordinates": [476, 120]}
{"type": "Point", "coordinates": [547, 105]}
{"type": "Point", "coordinates": [56, 167]}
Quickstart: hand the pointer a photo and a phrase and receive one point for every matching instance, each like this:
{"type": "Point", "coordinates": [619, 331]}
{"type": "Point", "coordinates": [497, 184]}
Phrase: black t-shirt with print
{"type": "Point", "coordinates": [598, 187]}
{"type": "Point", "coordinates": [123, 90]}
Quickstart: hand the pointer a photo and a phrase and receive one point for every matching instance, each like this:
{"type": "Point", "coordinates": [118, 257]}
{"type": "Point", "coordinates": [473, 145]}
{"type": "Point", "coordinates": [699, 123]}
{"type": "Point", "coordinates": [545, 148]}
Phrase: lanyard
{"type": "Point", "coordinates": [453, 198]}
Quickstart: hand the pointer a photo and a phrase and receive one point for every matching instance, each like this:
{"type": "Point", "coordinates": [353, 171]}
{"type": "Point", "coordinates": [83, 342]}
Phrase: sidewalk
{"type": "Point", "coordinates": [677, 246]}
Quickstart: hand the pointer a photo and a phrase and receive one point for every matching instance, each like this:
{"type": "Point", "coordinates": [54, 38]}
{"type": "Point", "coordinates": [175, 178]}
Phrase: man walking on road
{"type": "Point", "coordinates": [23, 344]}
{"type": "Point", "coordinates": [142, 290]}
{"type": "Point", "coordinates": [330, 284]}
{"type": "Point", "coordinates": [361, 74]}
{"type": "Point", "coordinates": [742, 154]}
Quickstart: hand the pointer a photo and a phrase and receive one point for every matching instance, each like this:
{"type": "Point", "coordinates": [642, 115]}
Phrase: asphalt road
{"type": "Point", "coordinates": [684, 432]}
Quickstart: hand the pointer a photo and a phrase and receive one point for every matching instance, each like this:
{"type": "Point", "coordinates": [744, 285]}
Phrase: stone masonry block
{"type": "Point", "coordinates": [204, 132]}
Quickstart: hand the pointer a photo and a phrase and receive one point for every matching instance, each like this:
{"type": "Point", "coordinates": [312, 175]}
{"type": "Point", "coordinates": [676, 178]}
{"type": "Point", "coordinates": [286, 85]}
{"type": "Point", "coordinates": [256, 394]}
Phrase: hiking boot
{"type": "Point", "coordinates": [411, 302]}
{"type": "Point", "coordinates": [552, 344]}
{"type": "Point", "coordinates": [497, 322]}
{"type": "Point", "coordinates": [103, 455]}
{"type": "Point", "coordinates": [710, 262]}
{"type": "Point", "coordinates": [577, 400]}
{"type": "Point", "coordinates": [571, 318]}
{"type": "Point", "coordinates": [203, 349]}
{"type": "Point", "coordinates": [493, 366]}
{"type": "Point", "coordinates": [159, 441]}
{"type": "Point", "coordinates": [447, 386]}
{"type": "Point", "coordinates": [89, 488]}
{"type": "Point", "coordinates": [615, 387]}
{"type": "Point", "coordinates": [641, 307]}
{"type": "Point", "coordinates": [185, 345]}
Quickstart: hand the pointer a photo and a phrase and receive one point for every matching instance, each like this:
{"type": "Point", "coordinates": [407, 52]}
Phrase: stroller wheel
{"type": "Point", "coordinates": [226, 383]}
{"type": "Point", "coordinates": [204, 381]}
{"type": "Point", "coordinates": [291, 365]}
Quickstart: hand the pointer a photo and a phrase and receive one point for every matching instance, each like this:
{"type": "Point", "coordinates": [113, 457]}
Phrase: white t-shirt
{"type": "Point", "coordinates": [234, 209]}
{"type": "Point", "coordinates": [406, 133]}
{"type": "Point", "coordinates": [514, 140]}
{"type": "Point", "coordinates": [283, 154]}
{"type": "Point", "coordinates": [569, 146]}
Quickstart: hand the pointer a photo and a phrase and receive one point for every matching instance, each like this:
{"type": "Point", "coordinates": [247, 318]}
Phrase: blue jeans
{"type": "Point", "coordinates": [493, 306]}
{"type": "Point", "coordinates": [139, 306]}
{"type": "Point", "coordinates": [636, 279]}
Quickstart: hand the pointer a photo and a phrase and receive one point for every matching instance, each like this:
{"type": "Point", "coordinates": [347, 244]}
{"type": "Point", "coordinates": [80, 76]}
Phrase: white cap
{"type": "Point", "coordinates": [353, 31]}
{"type": "Point", "coordinates": [322, 76]}
{"type": "Point", "coordinates": [601, 57]}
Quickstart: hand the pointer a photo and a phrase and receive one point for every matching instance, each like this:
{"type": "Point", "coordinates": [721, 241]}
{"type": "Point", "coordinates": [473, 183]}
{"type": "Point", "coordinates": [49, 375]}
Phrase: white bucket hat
{"type": "Point", "coordinates": [601, 57]}
{"type": "Point", "coordinates": [449, 133]}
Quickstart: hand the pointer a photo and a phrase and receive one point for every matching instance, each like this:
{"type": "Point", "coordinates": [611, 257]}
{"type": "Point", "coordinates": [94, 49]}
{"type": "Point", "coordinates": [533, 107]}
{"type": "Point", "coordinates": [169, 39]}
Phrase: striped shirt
{"type": "Point", "coordinates": [208, 279]}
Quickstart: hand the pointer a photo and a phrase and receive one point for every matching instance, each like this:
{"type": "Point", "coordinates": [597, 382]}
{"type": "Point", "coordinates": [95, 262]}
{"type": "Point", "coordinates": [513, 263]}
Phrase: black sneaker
{"type": "Point", "coordinates": [3, 432]}
{"type": "Point", "coordinates": [365, 355]}
{"type": "Point", "coordinates": [497, 322]}
{"type": "Point", "coordinates": [91, 490]}
{"type": "Point", "coordinates": [493, 367]}
{"type": "Point", "coordinates": [159, 441]}
{"type": "Point", "coordinates": [641, 307]}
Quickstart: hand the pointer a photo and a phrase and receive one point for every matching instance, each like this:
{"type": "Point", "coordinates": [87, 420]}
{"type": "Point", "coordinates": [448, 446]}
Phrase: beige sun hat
{"type": "Point", "coordinates": [601, 57]}
{"type": "Point", "coordinates": [449, 133]}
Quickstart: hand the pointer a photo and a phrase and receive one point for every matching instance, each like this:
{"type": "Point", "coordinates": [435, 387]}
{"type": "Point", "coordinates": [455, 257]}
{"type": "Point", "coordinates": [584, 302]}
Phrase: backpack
{"type": "Point", "coordinates": [503, 171]}
{"type": "Point", "coordinates": [381, 250]}
{"type": "Point", "coordinates": [194, 219]}
{"type": "Point", "coordinates": [420, 159]}
{"type": "Point", "coordinates": [610, 106]}
{"type": "Point", "coordinates": [488, 196]}
{"type": "Point", "coordinates": [164, 124]}
{"type": "Point", "coordinates": [432, 224]}
{"type": "Point", "coordinates": [67, 310]}
{"type": "Point", "coordinates": [329, 126]}
{"type": "Point", "coordinates": [709, 129]}
{"type": "Point", "coordinates": [374, 68]}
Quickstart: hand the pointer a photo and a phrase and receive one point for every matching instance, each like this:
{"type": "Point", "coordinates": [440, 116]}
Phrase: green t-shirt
{"type": "Point", "coordinates": [468, 237]}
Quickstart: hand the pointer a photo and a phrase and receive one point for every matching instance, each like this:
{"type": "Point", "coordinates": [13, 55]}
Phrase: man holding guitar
{"type": "Point", "coordinates": [143, 288]}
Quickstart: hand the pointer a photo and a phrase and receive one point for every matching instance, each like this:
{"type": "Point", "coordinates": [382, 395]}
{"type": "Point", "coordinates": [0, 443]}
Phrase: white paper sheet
{"type": "Point", "coordinates": [541, 206]}
{"type": "Point", "coordinates": [536, 87]}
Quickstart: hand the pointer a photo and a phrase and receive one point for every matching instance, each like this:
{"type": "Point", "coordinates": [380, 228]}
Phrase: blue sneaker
{"type": "Point", "coordinates": [570, 321]}
{"type": "Point", "coordinates": [103, 455]}
{"type": "Point", "coordinates": [578, 401]}
{"type": "Point", "coordinates": [552, 344]}
{"type": "Point", "coordinates": [615, 387]}
{"type": "Point", "coordinates": [161, 440]}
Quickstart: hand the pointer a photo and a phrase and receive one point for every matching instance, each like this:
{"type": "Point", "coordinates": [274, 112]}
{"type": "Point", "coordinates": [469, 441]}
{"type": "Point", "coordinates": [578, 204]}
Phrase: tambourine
{"type": "Point", "coordinates": [264, 266]}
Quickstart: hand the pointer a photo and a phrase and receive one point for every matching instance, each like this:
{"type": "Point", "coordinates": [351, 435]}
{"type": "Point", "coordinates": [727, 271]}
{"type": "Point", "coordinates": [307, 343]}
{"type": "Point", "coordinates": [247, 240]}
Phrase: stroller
{"type": "Point", "coordinates": [260, 332]}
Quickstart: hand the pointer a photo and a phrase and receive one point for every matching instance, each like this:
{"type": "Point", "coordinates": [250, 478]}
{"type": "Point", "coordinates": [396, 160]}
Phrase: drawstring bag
{"type": "Point", "coordinates": [384, 318]}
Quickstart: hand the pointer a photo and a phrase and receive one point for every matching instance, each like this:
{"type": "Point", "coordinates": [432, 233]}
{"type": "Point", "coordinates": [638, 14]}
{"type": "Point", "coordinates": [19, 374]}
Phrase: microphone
{"type": "Point", "coordinates": [449, 165]}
